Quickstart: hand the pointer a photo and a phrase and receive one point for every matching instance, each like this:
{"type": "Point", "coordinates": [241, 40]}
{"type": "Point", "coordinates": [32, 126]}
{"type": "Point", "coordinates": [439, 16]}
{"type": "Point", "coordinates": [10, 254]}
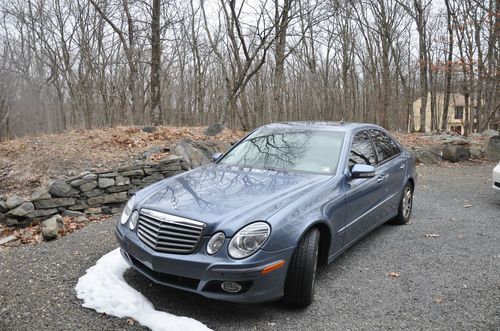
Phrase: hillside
{"type": "Point", "coordinates": [28, 162]}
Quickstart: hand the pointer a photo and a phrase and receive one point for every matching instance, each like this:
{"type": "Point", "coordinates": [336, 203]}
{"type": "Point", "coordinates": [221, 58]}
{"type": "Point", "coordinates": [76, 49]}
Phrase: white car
{"type": "Point", "coordinates": [496, 177]}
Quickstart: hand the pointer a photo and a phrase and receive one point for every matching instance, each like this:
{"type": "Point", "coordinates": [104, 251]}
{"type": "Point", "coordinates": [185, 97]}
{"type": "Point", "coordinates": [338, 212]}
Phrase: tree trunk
{"type": "Point", "coordinates": [424, 88]}
{"type": "Point", "coordinates": [448, 68]}
{"type": "Point", "coordinates": [156, 109]}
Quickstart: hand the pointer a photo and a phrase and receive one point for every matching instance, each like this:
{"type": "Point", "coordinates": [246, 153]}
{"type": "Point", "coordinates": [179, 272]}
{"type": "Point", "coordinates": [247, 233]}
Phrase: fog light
{"type": "Point", "coordinates": [231, 287]}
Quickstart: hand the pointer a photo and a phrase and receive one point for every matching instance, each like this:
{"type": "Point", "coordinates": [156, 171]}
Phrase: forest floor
{"type": "Point", "coordinates": [28, 162]}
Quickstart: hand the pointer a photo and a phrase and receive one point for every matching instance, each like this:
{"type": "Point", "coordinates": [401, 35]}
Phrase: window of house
{"type": "Point", "coordinates": [459, 113]}
{"type": "Point", "coordinates": [362, 150]}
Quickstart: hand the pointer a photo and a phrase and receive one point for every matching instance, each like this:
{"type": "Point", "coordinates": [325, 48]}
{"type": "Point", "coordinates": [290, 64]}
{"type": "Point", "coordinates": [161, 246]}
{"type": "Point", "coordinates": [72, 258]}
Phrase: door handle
{"type": "Point", "coordinates": [380, 178]}
{"type": "Point", "coordinates": [402, 166]}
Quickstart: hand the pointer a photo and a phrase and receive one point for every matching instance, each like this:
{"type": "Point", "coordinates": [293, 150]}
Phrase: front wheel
{"type": "Point", "coordinates": [405, 206]}
{"type": "Point", "coordinates": [299, 285]}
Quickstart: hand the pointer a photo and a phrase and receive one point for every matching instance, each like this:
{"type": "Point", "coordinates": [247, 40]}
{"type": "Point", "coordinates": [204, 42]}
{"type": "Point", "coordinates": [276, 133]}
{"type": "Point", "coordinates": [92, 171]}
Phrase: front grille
{"type": "Point", "coordinates": [169, 233]}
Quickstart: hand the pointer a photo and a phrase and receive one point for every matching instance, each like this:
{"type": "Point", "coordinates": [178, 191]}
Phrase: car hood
{"type": "Point", "coordinates": [226, 198]}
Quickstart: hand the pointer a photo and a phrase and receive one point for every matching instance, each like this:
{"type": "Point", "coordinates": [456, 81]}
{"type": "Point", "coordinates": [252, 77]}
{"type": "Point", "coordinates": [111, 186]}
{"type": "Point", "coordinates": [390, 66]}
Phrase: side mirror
{"type": "Point", "coordinates": [216, 156]}
{"type": "Point", "coordinates": [362, 171]}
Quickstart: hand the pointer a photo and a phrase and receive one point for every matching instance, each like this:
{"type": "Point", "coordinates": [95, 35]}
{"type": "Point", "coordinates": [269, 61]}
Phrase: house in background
{"type": "Point", "coordinates": [456, 112]}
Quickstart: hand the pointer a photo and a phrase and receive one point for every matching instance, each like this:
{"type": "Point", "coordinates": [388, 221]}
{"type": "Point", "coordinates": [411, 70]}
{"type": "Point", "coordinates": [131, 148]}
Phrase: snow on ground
{"type": "Point", "coordinates": [104, 289]}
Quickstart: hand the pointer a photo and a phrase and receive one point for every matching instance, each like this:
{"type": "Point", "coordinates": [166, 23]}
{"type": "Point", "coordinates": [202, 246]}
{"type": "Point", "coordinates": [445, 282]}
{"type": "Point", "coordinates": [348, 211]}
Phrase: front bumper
{"type": "Point", "coordinates": [203, 274]}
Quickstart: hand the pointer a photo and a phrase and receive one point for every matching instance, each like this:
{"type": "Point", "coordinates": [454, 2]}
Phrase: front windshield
{"type": "Point", "coordinates": [288, 149]}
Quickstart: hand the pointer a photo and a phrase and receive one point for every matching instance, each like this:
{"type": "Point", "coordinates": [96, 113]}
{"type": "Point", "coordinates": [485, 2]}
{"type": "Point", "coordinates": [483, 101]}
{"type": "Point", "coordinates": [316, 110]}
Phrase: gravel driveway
{"type": "Point", "coordinates": [447, 282]}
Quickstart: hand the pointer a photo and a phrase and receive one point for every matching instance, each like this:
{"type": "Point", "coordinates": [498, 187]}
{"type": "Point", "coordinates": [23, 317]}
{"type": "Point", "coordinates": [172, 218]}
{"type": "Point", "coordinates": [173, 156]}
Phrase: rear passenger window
{"type": "Point", "coordinates": [385, 146]}
{"type": "Point", "coordinates": [361, 150]}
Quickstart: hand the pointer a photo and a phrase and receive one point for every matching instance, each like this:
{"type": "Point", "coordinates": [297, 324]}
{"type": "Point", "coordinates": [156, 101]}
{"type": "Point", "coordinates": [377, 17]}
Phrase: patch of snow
{"type": "Point", "coordinates": [104, 289]}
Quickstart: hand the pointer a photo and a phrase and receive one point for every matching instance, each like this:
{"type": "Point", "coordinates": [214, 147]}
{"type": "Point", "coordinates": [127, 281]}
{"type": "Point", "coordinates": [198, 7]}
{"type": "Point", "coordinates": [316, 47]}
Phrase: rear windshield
{"type": "Point", "coordinates": [288, 150]}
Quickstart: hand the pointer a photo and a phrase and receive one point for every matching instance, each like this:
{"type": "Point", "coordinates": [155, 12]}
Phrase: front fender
{"type": "Point", "coordinates": [325, 206]}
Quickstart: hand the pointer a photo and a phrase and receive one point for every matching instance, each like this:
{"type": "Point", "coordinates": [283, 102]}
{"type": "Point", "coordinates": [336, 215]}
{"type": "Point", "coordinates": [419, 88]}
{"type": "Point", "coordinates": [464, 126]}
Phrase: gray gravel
{"type": "Point", "coordinates": [460, 269]}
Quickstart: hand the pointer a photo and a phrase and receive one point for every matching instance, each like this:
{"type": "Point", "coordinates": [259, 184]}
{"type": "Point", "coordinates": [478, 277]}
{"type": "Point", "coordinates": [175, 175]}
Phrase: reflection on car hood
{"type": "Point", "coordinates": [227, 198]}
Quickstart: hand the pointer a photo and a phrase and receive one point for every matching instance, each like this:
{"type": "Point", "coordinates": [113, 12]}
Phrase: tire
{"type": "Point", "coordinates": [405, 206]}
{"type": "Point", "coordinates": [301, 275]}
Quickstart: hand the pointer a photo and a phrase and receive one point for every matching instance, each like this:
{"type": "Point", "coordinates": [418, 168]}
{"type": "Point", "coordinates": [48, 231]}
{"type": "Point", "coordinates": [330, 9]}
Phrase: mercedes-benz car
{"type": "Point", "coordinates": [254, 225]}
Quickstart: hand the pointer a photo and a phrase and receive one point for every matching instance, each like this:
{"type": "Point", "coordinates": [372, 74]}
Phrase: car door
{"type": "Point", "coordinates": [363, 195]}
{"type": "Point", "coordinates": [390, 171]}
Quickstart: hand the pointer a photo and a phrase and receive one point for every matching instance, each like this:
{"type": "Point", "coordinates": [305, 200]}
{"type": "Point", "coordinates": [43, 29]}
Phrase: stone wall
{"type": "Point", "coordinates": [92, 192]}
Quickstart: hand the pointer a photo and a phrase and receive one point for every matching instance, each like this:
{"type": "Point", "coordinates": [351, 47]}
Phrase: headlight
{"type": "Point", "coordinates": [215, 243]}
{"type": "Point", "coordinates": [133, 220]}
{"type": "Point", "coordinates": [248, 240]}
{"type": "Point", "coordinates": [127, 210]}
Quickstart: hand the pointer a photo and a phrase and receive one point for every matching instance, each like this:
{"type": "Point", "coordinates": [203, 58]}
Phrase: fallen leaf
{"type": "Point", "coordinates": [393, 274]}
{"type": "Point", "coordinates": [432, 235]}
{"type": "Point", "coordinates": [438, 300]}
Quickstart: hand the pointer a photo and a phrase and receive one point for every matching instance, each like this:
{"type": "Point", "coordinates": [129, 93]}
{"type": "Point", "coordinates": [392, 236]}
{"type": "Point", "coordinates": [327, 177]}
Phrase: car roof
{"type": "Point", "coordinates": [327, 126]}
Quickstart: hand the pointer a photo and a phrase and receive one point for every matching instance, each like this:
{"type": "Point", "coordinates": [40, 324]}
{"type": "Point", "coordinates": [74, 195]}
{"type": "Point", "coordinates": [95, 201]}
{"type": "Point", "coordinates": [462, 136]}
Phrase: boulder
{"type": "Point", "coordinates": [2, 218]}
{"type": "Point", "coordinates": [9, 221]}
{"type": "Point", "coordinates": [133, 172]}
{"type": "Point", "coordinates": [81, 219]}
{"type": "Point", "coordinates": [3, 206]}
{"type": "Point", "coordinates": [109, 174]}
{"type": "Point", "coordinates": [149, 129]}
{"type": "Point", "coordinates": [106, 182]}
{"type": "Point", "coordinates": [108, 198]}
{"type": "Point", "coordinates": [476, 152]}
{"type": "Point", "coordinates": [213, 129]}
{"type": "Point", "coordinates": [22, 210]}
{"type": "Point", "coordinates": [86, 178]}
{"type": "Point", "coordinates": [120, 180]}
{"type": "Point", "coordinates": [455, 153]}
{"type": "Point", "coordinates": [197, 153]}
{"type": "Point", "coordinates": [88, 186]}
{"type": "Point", "coordinates": [114, 189]}
{"type": "Point", "coordinates": [492, 151]}
{"type": "Point", "coordinates": [72, 213]}
{"type": "Point", "coordinates": [51, 227]}
{"type": "Point", "coordinates": [93, 193]}
{"type": "Point", "coordinates": [59, 188]}
{"type": "Point", "coordinates": [153, 150]}
{"type": "Point", "coordinates": [156, 177]}
{"type": "Point", "coordinates": [426, 156]}
{"type": "Point", "coordinates": [54, 203]}
{"type": "Point", "coordinates": [40, 193]}
{"type": "Point", "coordinates": [13, 201]}
{"type": "Point", "coordinates": [40, 213]}
{"type": "Point", "coordinates": [93, 210]}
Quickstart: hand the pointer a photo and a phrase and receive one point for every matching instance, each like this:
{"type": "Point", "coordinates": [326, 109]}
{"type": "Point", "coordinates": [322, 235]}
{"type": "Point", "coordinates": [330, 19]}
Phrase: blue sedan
{"type": "Point", "coordinates": [254, 225]}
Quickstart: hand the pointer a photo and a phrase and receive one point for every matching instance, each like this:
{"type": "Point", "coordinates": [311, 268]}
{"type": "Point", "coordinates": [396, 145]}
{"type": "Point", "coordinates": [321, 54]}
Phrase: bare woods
{"type": "Point", "coordinates": [68, 64]}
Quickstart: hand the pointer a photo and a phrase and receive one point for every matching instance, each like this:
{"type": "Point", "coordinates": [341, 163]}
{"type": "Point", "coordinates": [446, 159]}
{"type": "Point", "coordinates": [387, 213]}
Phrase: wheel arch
{"type": "Point", "coordinates": [325, 239]}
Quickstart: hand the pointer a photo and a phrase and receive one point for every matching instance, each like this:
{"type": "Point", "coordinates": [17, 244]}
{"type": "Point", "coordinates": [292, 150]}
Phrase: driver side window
{"type": "Point", "coordinates": [361, 150]}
